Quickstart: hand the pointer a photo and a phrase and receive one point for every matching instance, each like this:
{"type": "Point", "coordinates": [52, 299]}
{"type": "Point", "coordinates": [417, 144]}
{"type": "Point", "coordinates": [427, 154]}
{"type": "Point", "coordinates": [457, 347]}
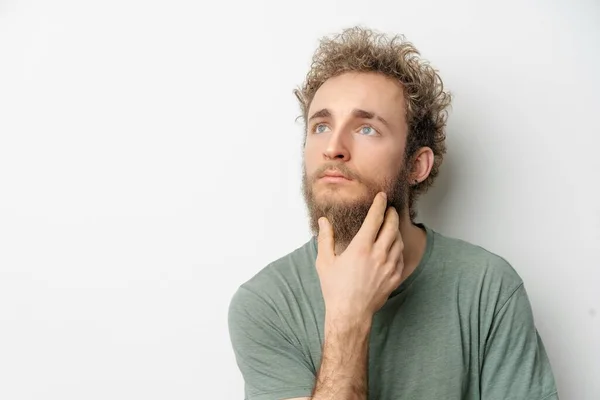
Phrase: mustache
{"type": "Point", "coordinates": [341, 168]}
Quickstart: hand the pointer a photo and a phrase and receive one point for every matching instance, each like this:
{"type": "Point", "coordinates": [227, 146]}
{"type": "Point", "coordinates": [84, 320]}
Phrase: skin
{"type": "Point", "coordinates": [358, 273]}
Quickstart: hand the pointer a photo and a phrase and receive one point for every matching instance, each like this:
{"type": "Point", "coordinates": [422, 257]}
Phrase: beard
{"type": "Point", "coordinates": [346, 215]}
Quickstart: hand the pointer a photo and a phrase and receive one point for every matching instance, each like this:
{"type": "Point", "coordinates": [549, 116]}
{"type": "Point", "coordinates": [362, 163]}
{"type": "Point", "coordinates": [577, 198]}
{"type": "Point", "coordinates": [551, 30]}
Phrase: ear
{"type": "Point", "coordinates": [422, 162]}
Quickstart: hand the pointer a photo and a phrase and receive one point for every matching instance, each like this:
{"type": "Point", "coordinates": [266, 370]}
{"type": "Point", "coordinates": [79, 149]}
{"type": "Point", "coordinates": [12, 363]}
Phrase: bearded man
{"type": "Point", "coordinates": [376, 305]}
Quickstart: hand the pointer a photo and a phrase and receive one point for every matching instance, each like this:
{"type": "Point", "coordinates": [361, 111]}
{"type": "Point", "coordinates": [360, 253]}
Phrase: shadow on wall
{"type": "Point", "coordinates": [447, 202]}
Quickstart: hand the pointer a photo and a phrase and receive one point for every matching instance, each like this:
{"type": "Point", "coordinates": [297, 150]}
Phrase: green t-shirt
{"type": "Point", "coordinates": [459, 327]}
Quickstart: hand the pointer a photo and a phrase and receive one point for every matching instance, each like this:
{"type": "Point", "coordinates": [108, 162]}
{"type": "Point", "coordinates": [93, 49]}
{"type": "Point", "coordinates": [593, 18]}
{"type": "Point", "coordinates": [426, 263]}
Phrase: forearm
{"type": "Point", "coordinates": [343, 371]}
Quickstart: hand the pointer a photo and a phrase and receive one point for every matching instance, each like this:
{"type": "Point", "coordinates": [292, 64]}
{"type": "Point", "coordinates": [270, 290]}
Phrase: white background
{"type": "Point", "coordinates": [150, 164]}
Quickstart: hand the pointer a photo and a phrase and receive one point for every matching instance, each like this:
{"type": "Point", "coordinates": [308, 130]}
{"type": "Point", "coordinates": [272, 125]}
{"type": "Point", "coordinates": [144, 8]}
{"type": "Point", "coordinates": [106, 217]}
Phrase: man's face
{"type": "Point", "coordinates": [356, 127]}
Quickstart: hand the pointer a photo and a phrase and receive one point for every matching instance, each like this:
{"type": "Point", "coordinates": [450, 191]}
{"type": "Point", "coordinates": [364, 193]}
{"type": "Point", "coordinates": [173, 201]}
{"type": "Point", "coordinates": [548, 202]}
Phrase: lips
{"type": "Point", "coordinates": [334, 174]}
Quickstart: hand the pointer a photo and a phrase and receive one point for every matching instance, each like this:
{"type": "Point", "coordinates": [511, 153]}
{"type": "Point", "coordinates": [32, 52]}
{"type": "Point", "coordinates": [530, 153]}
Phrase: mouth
{"type": "Point", "coordinates": [334, 177]}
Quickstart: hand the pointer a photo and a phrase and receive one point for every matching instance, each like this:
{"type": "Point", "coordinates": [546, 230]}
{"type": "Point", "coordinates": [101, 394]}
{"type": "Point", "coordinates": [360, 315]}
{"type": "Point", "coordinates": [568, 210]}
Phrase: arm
{"type": "Point", "coordinates": [343, 371]}
{"type": "Point", "coordinates": [515, 363]}
{"type": "Point", "coordinates": [274, 369]}
{"type": "Point", "coordinates": [271, 362]}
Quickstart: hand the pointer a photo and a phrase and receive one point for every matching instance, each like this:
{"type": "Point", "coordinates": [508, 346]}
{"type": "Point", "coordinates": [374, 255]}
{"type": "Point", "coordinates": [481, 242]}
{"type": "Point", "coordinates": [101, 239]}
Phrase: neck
{"type": "Point", "coordinates": [415, 241]}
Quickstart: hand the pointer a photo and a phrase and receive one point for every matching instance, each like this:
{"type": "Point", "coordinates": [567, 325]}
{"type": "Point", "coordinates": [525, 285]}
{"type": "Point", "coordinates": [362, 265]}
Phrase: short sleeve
{"type": "Point", "coordinates": [272, 365]}
{"type": "Point", "coordinates": [515, 364]}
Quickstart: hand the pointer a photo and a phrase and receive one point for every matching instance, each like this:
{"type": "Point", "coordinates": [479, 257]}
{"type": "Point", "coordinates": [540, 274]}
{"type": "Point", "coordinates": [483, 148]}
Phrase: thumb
{"type": "Point", "coordinates": [325, 242]}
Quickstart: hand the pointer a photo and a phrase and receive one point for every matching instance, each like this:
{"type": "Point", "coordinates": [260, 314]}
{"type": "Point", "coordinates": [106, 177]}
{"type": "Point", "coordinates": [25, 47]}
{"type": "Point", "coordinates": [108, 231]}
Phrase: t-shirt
{"type": "Point", "coordinates": [459, 327]}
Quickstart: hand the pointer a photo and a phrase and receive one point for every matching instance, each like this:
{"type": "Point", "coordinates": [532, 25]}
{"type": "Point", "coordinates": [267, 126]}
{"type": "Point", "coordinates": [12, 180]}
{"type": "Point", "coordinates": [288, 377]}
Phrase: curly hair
{"type": "Point", "coordinates": [360, 49]}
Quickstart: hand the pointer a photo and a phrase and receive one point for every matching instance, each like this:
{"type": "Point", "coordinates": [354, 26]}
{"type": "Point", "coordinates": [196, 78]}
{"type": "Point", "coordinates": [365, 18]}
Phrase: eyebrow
{"type": "Point", "coordinates": [357, 113]}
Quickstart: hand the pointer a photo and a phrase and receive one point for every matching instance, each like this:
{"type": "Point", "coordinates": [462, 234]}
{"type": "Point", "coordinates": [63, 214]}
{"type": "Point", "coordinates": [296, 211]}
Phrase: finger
{"type": "Point", "coordinates": [372, 223]}
{"type": "Point", "coordinates": [389, 230]}
{"type": "Point", "coordinates": [325, 241]}
{"type": "Point", "coordinates": [396, 255]}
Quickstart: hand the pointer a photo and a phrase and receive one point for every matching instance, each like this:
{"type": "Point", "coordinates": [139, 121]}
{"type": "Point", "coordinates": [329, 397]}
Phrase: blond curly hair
{"type": "Point", "coordinates": [360, 49]}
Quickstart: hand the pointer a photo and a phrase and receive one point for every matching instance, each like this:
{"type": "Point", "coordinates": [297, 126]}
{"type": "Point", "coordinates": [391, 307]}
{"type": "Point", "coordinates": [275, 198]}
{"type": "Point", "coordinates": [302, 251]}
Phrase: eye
{"type": "Point", "coordinates": [319, 128]}
{"type": "Point", "coordinates": [368, 130]}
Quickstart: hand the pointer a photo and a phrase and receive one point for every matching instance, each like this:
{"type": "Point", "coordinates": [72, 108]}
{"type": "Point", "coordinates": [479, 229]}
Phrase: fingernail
{"type": "Point", "coordinates": [321, 223]}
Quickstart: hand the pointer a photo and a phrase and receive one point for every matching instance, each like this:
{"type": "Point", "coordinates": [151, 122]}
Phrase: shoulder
{"type": "Point", "coordinates": [468, 258]}
{"type": "Point", "coordinates": [279, 280]}
{"type": "Point", "coordinates": [475, 268]}
{"type": "Point", "coordinates": [286, 272]}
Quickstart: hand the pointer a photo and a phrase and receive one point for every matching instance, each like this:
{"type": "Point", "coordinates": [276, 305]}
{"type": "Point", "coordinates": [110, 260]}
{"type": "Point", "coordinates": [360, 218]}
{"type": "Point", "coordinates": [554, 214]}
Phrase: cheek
{"type": "Point", "coordinates": [379, 165]}
{"type": "Point", "coordinates": [311, 158]}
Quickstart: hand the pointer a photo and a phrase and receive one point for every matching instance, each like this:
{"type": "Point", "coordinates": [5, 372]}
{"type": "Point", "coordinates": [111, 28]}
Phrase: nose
{"type": "Point", "coordinates": [337, 147]}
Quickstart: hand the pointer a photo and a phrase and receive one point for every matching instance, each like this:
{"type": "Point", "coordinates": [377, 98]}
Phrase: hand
{"type": "Point", "coordinates": [357, 283]}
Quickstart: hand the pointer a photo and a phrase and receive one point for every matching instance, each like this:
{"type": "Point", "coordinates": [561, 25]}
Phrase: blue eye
{"type": "Point", "coordinates": [367, 130]}
{"type": "Point", "coordinates": [319, 128]}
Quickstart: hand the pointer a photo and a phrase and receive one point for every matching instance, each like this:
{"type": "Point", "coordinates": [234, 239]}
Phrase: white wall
{"type": "Point", "coordinates": [150, 163]}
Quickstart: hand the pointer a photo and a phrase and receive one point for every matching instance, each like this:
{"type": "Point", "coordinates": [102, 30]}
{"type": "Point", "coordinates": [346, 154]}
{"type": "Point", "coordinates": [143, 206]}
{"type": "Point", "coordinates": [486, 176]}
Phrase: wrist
{"type": "Point", "coordinates": [348, 323]}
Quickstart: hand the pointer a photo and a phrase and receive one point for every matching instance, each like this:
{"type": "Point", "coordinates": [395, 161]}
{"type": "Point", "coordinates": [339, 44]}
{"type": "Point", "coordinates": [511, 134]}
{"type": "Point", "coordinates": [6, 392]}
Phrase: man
{"type": "Point", "coordinates": [375, 305]}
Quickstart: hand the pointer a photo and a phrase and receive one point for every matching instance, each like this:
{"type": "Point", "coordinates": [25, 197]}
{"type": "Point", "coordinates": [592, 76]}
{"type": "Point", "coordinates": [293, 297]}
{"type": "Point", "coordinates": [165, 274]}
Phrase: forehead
{"type": "Point", "coordinates": [369, 91]}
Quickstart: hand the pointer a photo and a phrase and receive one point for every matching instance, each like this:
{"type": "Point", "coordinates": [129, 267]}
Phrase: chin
{"type": "Point", "coordinates": [338, 194]}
